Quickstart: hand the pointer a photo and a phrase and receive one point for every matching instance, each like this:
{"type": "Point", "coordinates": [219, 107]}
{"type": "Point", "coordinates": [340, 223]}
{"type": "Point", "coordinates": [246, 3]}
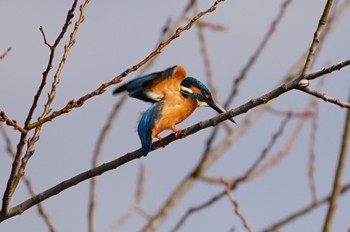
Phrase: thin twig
{"type": "Point", "coordinates": [11, 122]}
{"type": "Point", "coordinates": [328, 70]}
{"type": "Point", "coordinates": [312, 153]}
{"type": "Point", "coordinates": [212, 26]}
{"type": "Point", "coordinates": [9, 146]}
{"type": "Point", "coordinates": [3, 55]}
{"type": "Point", "coordinates": [316, 40]}
{"type": "Point", "coordinates": [325, 97]}
{"type": "Point", "coordinates": [338, 175]}
{"type": "Point", "coordinates": [237, 210]}
{"type": "Point", "coordinates": [292, 114]}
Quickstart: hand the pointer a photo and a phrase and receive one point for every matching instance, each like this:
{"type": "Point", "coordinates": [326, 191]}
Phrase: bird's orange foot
{"type": "Point", "coordinates": [159, 138]}
{"type": "Point", "coordinates": [176, 131]}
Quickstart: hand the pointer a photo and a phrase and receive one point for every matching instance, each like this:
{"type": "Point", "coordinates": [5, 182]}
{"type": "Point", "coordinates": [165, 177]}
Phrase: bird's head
{"type": "Point", "coordinates": [193, 88]}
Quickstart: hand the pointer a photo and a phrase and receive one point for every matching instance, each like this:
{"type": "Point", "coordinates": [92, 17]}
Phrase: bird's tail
{"type": "Point", "coordinates": [144, 129]}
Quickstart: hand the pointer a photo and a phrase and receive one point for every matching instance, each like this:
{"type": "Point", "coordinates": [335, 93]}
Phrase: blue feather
{"type": "Point", "coordinates": [191, 81]}
{"type": "Point", "coordinates": [136, 88]}
{"type": "Point", "coordinates": [146, 125]}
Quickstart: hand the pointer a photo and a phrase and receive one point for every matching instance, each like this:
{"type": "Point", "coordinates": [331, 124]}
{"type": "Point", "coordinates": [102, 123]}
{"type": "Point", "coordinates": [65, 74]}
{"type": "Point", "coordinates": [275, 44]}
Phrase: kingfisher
{"type": "Point", "coordinates": [174, 97]}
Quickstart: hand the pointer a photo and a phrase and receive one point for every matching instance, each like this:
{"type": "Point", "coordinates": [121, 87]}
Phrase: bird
{"type": "Point", "coordinates": [173, 97]}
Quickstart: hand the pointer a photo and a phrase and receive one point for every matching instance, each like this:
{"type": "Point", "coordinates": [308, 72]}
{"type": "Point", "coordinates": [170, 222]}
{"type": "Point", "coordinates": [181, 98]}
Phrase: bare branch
{"type": "Point", "coordinates": [11, 122]}
{"type": "Point", "coordinates": [238, 211]}
{"type": "Point", "coordinates": [339, 174]}
{"type": "Point", "coordinates": [312, 153]}
{"type": "Point", "coordinates": [3, 55]}
{"type": "Point", "coordinates": [316, 40]}
{"type": "Point", "coordinates": [44, 37]}
{"type": "Point", "coordinates": [325, 97]}
{"type": "Point", "coordinates": [291, 113]}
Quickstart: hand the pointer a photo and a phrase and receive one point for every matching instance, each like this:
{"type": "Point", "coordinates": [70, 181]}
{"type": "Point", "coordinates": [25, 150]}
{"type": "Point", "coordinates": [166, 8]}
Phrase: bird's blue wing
{"type": "Point", "coordinates": [135, 88]}
{"type": "Point", "coordinates": [152, 87]}
{"type": "Point", "coordinates": [146, 126]}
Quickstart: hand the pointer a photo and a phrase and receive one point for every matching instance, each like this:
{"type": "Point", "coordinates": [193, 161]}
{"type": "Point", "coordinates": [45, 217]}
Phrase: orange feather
{"type": "Point", "coordinates": [176, 108]}
{"type": "Point", "coordinates": [170, 85]}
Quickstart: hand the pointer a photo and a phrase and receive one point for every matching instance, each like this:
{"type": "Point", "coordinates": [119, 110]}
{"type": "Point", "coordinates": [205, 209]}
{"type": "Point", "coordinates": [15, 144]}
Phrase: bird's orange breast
{"type": "Point", "coordinates": [175, 109]}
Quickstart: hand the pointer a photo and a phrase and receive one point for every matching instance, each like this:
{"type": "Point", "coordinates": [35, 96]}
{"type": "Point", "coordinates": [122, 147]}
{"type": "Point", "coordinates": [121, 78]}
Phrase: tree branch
{"type": "Point", "coordinates": [235, 204]}
{"type": "Point", "coordinates": [325, 97]}
{"type": "Point", "coordinates": [3, 55]}
{"type": "Point", "coordinates": [338, 175]}
{"type": "Point", "coordinates": [316, 40]}
{"type": "Point", "coordinates": [11, 122]}
{"type": "Point", "coordinates": [15, 176]}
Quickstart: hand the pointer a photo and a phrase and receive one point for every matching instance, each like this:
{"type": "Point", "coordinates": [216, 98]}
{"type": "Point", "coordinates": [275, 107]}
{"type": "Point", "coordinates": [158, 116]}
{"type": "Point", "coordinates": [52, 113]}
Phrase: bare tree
{"type": "Point", "coordinates": [291, 126]}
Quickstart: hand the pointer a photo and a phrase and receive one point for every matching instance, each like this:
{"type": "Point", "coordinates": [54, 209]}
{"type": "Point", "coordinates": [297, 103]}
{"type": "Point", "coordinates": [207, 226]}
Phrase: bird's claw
{"type": "Point", "coordinates": [159, 138]}
{"type": "Point", "coordinates": [176, 131]}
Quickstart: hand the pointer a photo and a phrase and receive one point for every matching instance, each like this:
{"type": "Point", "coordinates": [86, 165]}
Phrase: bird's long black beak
{"type": "Point", "coordinates": [217, 107]}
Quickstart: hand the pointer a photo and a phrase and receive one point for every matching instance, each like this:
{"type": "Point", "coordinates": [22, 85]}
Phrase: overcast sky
{"type": "Point", "coordinates": [117, 35]}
